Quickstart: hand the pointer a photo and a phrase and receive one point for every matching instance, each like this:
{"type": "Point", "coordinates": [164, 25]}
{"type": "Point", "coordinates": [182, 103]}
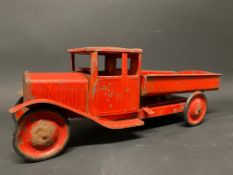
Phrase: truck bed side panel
{"type": "Point", "coordinates": [159, 84]}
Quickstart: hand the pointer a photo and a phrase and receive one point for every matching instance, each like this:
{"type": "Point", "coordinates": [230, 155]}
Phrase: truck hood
{"type": "Point", "coordinates": [68, 88]}
{"type": "Point", "coordinates": [73, 77]}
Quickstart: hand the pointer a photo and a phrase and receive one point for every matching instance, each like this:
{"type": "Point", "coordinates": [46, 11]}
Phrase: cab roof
{"type": "Point", "coordinates": [104, 50]}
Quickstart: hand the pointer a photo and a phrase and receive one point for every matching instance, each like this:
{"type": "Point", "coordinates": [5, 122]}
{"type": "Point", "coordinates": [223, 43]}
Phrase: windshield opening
{"type": "Point", "coordinates": [80, 63]}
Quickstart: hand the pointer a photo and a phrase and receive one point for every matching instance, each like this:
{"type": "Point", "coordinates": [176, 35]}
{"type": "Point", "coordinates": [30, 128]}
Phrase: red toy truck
{"type": "Point", "coordinates": [119, 96]}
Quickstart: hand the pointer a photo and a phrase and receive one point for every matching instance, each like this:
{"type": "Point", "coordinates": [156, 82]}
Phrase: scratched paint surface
{"type": "Point", "coordinates": [67, 88]}
{"type": "Point", "coordinates": [112, 95]}
{"type": "Point", "coordinates": [159, 82]}
{"type": "Point", "coordinates": [109, 95]}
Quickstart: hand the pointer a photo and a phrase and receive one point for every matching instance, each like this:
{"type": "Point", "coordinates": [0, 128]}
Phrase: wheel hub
{"type": "Point", "coordinates": [44, 134]}
{"type": "Point", "coordinates": [196, 108]}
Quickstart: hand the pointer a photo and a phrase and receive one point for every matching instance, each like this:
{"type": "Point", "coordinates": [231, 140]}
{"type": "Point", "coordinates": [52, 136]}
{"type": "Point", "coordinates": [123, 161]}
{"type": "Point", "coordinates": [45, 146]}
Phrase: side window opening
{"type": "Point", "coordinates": [82, 63]}
{"type": "Point", "coordinates": [101, 65]}
{"type": "Point", "coordinates": [132, 64]}
{"type": "Point", "coordinates": [118, 66]}
{"type": "Point", "coordinates": [109, 65]}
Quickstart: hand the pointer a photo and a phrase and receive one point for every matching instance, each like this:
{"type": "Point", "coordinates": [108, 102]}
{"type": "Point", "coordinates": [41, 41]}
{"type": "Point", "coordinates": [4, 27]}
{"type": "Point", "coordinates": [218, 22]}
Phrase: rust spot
{"type": "Point", "coordinates": [43, 134]}
{"type": "Point", "coordinates": [110, 94]}
{"type": "Point", "coordinates": [127, 90]}
{"type": "Point", "coordinates": [104, 88]}
{"type": "Point", "coordinates": [94, 88]}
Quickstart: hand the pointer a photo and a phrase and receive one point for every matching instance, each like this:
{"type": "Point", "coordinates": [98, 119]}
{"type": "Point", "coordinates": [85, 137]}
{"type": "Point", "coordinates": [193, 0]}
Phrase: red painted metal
{"type": "Point", "coordinates": [41, 134]}
{"type": "Point", "coordinates": [120, 95]}
{"type": "Point", "coordinates": [16, 115]}
{"type": "Point", "coordinates": [193, 114]}
{"type": "Point", "coordinates": [159, 82]}
{"type": "Point", "coordinates": [195, 109]}
{"type": "Point", "coordinates": [68, 88]}
{"type": "Point", "coordinates": [108, 122]}
{"type": "Point", "coordinates": [103, 50]}
{"type": "Point", "coordinates": [158, 111]}
{"type": "Point", "coordinates": [115, 91]}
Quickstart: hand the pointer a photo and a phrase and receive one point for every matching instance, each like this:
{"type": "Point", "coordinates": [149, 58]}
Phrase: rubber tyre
{"type": "Point", "coordinates": [195, 109]}
{"type": "Point", "coordinates": [41, 134]}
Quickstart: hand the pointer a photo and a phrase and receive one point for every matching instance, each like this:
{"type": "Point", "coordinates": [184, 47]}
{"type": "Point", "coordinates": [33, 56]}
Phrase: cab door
{"type": "Point", "coordinates": [109, 95]}
{"type": "Point", "coordinates": [116, 88]}
{"type": "Point", "coordinates": [109, 86]}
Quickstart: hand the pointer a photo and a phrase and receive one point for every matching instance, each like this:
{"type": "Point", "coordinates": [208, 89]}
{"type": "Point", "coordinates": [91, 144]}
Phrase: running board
{"type": "Point", "coordinates": [167, 109]}
{"type": "Point", "coordinates": [148, 110]}
{"type": "Point", "coordinates": [120, 124]}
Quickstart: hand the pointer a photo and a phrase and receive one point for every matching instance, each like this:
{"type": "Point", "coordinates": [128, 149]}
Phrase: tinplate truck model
{"type": "Point", "coordinates": [118, 96]}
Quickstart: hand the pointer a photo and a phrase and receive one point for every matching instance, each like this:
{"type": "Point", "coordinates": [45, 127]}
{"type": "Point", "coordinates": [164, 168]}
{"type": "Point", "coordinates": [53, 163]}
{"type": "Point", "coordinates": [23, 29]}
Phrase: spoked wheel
{"type": "Point", "coordinates": [195, 109]}
{"type": "Point", "coordinates": [41, 134]}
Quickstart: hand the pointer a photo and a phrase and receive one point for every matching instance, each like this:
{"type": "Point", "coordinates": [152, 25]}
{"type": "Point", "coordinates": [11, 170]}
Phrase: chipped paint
{"type": "Point", "coordinates": [114, 91]}
{"type": "Point", "coordinates": [94, 87]}
{"type": "Point", "coordinates": [116, 98]}
{"type": "Point", "coordinates": [160, 82]}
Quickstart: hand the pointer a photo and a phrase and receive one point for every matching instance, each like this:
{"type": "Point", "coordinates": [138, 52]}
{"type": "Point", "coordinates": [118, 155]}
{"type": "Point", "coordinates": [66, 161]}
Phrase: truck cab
{"type": "Point", "coordinates": [113, 88]}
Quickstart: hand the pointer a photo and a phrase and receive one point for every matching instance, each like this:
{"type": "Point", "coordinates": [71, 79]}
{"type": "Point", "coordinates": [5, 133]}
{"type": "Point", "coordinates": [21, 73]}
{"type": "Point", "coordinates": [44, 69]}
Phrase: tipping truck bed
{"type": "Point", "coordinates": [168, 82]}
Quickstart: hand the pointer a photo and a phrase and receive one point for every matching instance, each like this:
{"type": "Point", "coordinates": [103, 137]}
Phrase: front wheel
{"type": "Point", "coordinates": [41, 134]}
{"type": "Point", "coordinates": [195, 109]}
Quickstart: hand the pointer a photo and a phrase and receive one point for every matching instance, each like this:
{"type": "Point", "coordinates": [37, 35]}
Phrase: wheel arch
{"type": "Point", "coordinates": [68, 111]}
{"type": "Point", "coordinates": [111, 124]}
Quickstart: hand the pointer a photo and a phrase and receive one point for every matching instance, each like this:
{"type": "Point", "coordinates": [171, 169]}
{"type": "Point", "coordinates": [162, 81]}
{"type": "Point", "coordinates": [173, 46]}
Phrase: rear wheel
{"type": "Point", "coordinates": [41, 134]}
{"type": "Point", "coordinates": [195, 109]}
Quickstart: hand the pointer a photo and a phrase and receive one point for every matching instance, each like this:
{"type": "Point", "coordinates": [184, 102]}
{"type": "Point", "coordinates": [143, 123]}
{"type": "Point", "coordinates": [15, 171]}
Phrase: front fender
{"type": "Point", "coordinates": [102, 121]}
{"type": "Point", "coordinates": [47, 101]}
